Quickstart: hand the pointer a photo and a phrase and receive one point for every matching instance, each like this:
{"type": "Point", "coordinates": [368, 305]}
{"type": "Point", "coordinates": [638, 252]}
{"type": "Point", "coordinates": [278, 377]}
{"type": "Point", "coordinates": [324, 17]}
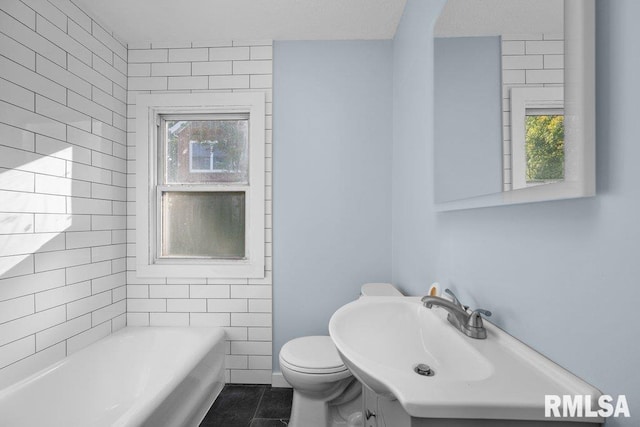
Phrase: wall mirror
{"type": "Point", "coordinates": [514, 102]}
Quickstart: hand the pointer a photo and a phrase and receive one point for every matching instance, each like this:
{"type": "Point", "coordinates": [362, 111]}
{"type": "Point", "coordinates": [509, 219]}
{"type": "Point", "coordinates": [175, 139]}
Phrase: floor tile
{"type": "Point", "coordinates": [275, 403]}
{"type": "Point", "coordinates": [235, 406]}
{"type": "Point", "coordinates": [268, 422]}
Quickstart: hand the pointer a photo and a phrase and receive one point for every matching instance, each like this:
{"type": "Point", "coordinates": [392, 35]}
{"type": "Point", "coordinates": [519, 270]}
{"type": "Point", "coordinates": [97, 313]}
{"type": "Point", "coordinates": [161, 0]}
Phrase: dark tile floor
{"type": "Point", "coordinates": [250, 406]}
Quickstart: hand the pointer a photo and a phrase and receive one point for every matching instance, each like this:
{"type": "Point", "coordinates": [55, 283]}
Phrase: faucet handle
{"type": "Point", "coordinates": [456, 301]}
{"type": "Point", "coordinates": [475, 320]}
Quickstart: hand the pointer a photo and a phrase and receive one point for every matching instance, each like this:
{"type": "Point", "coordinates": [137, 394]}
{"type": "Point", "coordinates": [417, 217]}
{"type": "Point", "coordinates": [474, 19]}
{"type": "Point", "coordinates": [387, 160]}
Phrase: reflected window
{"type": "Point", "coordinates": [544, 147]}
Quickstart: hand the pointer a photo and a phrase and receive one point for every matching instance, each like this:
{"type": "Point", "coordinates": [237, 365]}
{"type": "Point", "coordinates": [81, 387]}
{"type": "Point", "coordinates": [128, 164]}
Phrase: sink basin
{"type": "Point", "coordinates": [382, 339]}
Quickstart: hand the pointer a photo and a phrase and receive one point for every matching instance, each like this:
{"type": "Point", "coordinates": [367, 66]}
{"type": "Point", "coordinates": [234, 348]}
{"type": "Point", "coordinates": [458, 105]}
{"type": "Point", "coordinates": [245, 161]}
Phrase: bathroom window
{"type": "Point", "coordinates": [200, 206]}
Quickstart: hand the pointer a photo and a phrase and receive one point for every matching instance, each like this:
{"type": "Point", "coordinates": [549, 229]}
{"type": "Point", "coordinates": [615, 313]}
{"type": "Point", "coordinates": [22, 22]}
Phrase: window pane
{"type": "Point", "coordinates": [206, 151]}
{"type": "Point", "coordinates": [199, 224]}
{"type": "Point", "coordinates": [545, 148]}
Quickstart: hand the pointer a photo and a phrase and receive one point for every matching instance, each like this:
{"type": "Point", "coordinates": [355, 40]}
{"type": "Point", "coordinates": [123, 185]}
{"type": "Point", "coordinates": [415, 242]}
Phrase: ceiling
{"type": "Point", "coordinates": [208, 20]}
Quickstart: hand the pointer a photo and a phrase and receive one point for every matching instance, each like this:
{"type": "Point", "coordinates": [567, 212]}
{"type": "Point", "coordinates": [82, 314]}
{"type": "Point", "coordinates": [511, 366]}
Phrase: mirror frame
{"type": "Point", "coordinates": [579, 110]}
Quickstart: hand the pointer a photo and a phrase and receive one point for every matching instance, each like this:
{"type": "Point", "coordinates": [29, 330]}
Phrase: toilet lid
{"type": "Point", "coordinates": [315, 354]}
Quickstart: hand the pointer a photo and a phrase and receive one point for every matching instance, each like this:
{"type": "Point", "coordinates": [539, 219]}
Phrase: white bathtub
{"type": "Point", "coordinates": [149, 376]}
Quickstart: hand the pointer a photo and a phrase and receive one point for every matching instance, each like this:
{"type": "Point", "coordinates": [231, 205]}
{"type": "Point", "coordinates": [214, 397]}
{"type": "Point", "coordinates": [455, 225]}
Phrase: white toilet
{"type": "Point", "coordinates": [325, 394]}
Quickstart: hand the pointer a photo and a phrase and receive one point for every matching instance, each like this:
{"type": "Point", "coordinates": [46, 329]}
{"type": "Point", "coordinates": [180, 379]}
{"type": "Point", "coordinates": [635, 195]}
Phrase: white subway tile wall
{"type": "Point", "coordinates": [528, 60]}
{"type": "Point", "coordinates": [241, 306]}
{"type": "Point", "coordinates": [63, 193]}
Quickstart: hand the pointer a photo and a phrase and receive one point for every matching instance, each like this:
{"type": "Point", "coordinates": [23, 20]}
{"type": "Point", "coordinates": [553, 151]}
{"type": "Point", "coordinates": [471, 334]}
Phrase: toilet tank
{"type": "Point", "coordinates": [379, 290]}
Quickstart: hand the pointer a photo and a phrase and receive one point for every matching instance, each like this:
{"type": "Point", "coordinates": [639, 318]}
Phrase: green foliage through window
{"type": "Point", "coordinates": [545, 148]}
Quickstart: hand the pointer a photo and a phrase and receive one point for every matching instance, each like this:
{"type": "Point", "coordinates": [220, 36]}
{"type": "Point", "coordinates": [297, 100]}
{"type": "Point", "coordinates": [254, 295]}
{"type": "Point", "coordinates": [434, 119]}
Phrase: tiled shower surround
{"type": "Point", "coordinates": [67, 189]}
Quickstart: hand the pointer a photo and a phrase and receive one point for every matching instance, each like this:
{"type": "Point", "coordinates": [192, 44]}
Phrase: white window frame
{"type": "Point", "coordinates": [149, 109]}
{"type": "Point", "coordinates": [525, 99]}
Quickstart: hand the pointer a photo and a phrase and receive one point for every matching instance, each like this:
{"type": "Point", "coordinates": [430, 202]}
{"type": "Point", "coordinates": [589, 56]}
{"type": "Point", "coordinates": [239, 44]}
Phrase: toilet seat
{"type": "Point", "coordinates": [312, 355]}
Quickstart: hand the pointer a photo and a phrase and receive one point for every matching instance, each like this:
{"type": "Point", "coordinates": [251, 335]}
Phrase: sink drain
{"type": "Point", "coordinates": [424, 370]}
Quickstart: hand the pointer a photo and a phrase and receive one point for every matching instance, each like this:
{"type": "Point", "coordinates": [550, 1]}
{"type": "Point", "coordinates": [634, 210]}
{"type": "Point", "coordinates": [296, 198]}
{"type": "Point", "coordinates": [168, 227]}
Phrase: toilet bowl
{"type": "Point", "coordinates": [325, 393]}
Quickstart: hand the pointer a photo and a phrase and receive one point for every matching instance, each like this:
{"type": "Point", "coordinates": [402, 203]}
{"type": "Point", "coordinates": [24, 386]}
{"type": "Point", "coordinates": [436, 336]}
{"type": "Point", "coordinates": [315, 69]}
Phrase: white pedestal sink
{"type": "Point", "coordinates": [382, 340]}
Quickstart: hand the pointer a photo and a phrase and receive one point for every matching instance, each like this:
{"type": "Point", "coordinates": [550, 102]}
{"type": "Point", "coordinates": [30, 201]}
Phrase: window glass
{"type": "Point", "coordinates": [544, 148]}
{"type": "Point", "coordinates": [199, 151]}
{"type": "Point", "coordinates": [203, 224]}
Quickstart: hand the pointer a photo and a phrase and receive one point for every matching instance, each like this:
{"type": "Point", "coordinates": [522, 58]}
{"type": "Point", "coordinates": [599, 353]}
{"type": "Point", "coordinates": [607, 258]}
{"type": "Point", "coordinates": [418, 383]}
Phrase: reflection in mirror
{"type": "Point", "coordinates": [499, 90]}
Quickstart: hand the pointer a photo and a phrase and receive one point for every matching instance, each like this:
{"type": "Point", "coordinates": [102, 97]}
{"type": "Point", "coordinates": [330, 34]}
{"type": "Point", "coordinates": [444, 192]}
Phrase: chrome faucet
{"type": "Point", "coordinates": [469, 324]}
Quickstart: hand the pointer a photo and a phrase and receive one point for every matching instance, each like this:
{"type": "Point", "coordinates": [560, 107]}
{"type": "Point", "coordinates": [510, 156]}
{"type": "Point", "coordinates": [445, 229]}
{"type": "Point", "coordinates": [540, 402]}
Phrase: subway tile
{"type": "Point", "coordinates": [212, 43]}
{"type": "Point", "coordinates": [80, 205]}
{"type": "Point", "coordinates": [46, 9]}
{"type": "Point", "coordinates": [229, 53]}
{"type": "Point", "coordinates": [260, 334]}
{"type": "Point", "coordinates": [88, 272]}
{"type": "Point", "coordinates": [19, 328]}
{"type": "Point", "coordinates": [110, 192]}
{"type": "Point", "coordinates": [119, 265]}
{"type": "Point", "coordinates": [84, 37]}
{"type": "Point", "coordinates": [31, 39]}
{"type": "Point", "coordinates": [17, 350]}
{"type": "Point", "coordinates": [513, 77]}
{"type": "Point", "coordinates": [228, 82]}
{"type": "Point", "coordinates": [209, 291]}
{"type": "Point", "coordinates": [86, 305]}
{"type": "Point", "coordinates": [30, 243]}
{"type": "Point", "coordinates": [544, 76]}
{"type": "Point", "coordinates": [61, 259]}
{"type": "Point", "coordinates": [20, 11]}
{"type": "Point", "coordinates": [61, 332]}
{"type": "Point", "coordinates": [109, 102]}
{"type": "Point", "coordinates": [17, 52]}
{"type": "Point", "coordinates": [170, 69]}
{"type": "Point", "coordinates": [118, 322]}
{"type": "Point", "coordinates": [16, 307]}
{"type": "Point", "coordinates": [107, 131]}
{"type": "Point", "coordinates": [85, 239]}
{"type": "Point", "coordinates": [235, 333]}
{"type": "Point", "coordinates": [147, 55]}
{"type": "Point", "coordinates": [260, 362]}
{"type": "Point", "coordinates": [120, 64]}
{"type": "Point", "coordinates": [137, 319]}
{"type": "Point", "coordinates": [108, 40]}
{"type": "Point", "coordinates": [108, 222]}
{"type": "Point", "coordinates": [18, 265]}
{"type": "Point", "coordinates": [169, 291]}
{"type": "Point", "coordinates": [25, 285]}
{"type": "Point", "coordinates": [61, 150]}
{"type": "Point", "coordinates": [252, 67]}
{"type": "Point", "coordinates": [261, 82]}
{"type": "Point", "coordinates": [170, 45]}
{"type": "Point", "coordinates": [148, 83]}
{"type": "Point", "coordinates": [513, 47]}
{"type": "Point", "coordinates": [250, 291]}
{"type": "Point", "coordinates": [62, 76]}
{"type": "Point", "coordinates": [260, 305]}
{"type": "Point", "coordinates": [73, 12]}
{"type": "Point", "coordinates": [109, 312]}
{"type": "Point", "coordinates": [146, 305]}
{"type": "Point", "coordinates": [232, 361]}
{"type": "Point", "coordinates": [187, 305]}
{"type": "Point", "coordinates": [522, 62]}
{"type": "Point", "coordinates": [33, 203]}
{"type": "Point", "coordinates": [188, 83]}
{"type": "Point", "coordinates": [63, 40]}
{"type": "Point", "coordinates": [226, 305]}
{"type": "Point", "coordinates": [119, 293]}
{"type": "Point", "coordinates": [16, 223]}
{"type": "Point", "coordinates": [17, 95]}
{"type": "Point", "coordinates": [264, 42]}
{"type": "Point", "coordinates": [16, 137]}
{"type": "Point", "coordinates": [137, 291]}
{"type": "Point", "coordinates": [94, 110]}
{"type": "Point", "coordinates": [188, 55]}
{"type": "Point", "coordinates": [89, 74]}
{"type": "Point", "coordinates": [210, 319]}
{"type": "Point", "coordinates": [168, 319]}
{"type": "Point", "coordinates": [26, 78]}
{"type": "Point", "coordinates": [552, 47]}
{"type": "Point", "coordinates": [261, 52]}
{"type": "Point", "coordinates": [138, 70]}
{"type": "Point", "coordinates": [46, 184]}
{"type": "Point", "coordinates": [110, 252]}
{"type": "Point", "coordinates": [60, 113]}
{"type": "Point", "coordinates": [553, 61]}
{"type": "Point", "coordinates": [16, 180]}
{"type": "Point", "coordinates": [110, 72]}
{"type": "Point", "coordinates": [62, 295]}
{"type": "Point", "coordinates": [89, 141]}
{"type": "Point", "coordinates": [88, 173]}
{"type": "Point", "coordinates": [251, 319]}
{"type": "Point", "coordinates": [108, 162]}
{"type": "Point", "coordinates": [80, 341]}
{"type": "Point", "coordinates": [251, 347]}
{"type": "Point", "coordinates": [211, 68]}
{"type": "Point", "coordinates": [252, 376]}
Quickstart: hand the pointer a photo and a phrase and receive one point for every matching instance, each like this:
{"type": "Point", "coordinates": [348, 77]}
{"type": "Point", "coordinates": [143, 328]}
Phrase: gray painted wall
{"type": "Point", "coordinates": [468, 117]}
{"type": "Point", "coordinates": [332, 179]}
{"type": "Point", "coordinates": [561, 276]}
